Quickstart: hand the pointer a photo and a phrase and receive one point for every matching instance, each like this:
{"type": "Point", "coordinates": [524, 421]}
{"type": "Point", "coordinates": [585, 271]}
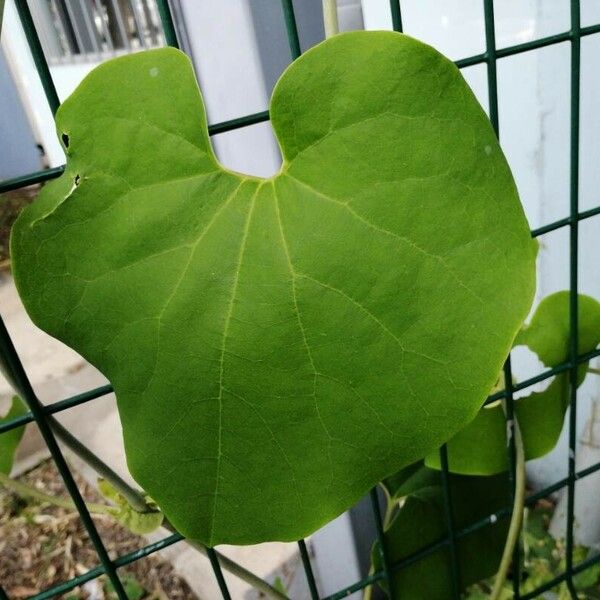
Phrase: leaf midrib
{"type": "Point", "coordinates": [228, 316]}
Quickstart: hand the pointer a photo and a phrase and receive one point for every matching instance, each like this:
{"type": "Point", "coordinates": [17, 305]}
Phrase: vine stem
{"type": "Point", "coordinates": [27, 491]}
{"type": "Point", "coordinates": [517, 514]}
{"type": "Point", "coordinates": [137, 500]}
{"type": "Point", "coordinates": [368, 595]}
{"type": "Point", "coordinates": [330, 18]}
{"type": "Point", "coordinates": [134, 497]}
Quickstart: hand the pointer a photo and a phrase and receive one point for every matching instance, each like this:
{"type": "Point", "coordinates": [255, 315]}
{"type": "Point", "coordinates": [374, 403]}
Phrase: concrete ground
{"type": "Point", "coordinates": [57, 372]}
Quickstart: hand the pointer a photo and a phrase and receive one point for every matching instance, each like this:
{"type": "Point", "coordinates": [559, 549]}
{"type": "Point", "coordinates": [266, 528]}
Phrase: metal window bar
{"type": "Point", "coordinates": [90, 27]}
{"type": "Point", "coordinates": [105, 31]}
{"type": "Point", "coordinates": [79, 39]}
{"type": "Point", "coordinates": [75, 31]}
{"type": "Point", "coordinates": [138, 24]}
{"type": "Point", "coordinates": [39, 413]}
{"type": "Point", "coordinates": [115, 14]}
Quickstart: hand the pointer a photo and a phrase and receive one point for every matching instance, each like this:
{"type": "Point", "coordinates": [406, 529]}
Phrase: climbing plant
{"type": "Point", "coordinates": [277, 346]}
{"type": "Point", "coordinates": [477, 459]}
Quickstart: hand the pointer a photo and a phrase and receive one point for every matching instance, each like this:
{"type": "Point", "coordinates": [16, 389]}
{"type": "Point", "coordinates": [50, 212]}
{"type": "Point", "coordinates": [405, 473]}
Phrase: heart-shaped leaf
{"type": "Point", "coordinates": [480, 448]}
{"type": "Point", "coordinates": [279, 345]}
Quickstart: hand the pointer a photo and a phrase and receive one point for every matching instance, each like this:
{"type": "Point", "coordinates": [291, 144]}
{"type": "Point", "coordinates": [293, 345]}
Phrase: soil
{"type": "Point", "coordinates": [43, 545]}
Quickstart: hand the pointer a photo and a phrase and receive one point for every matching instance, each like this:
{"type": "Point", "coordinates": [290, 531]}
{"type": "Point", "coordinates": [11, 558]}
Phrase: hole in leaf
{"type": "Point", "coordinates": [77, 179]}
{"type": "Point", "coordinates": [65, 140]}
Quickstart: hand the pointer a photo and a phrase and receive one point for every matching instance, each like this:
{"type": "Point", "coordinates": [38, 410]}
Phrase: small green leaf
{"type": "Point", "coordinates": [109, 492]}
{"type": "Point", "coordinates": [590, 576]}
{"type": "Point", "coordinates": [537, 542]}
{"type": "Point", "coordinates": [314, 331]}
{"type": "Point", "coordinates": [133, 589]}
{"type": "Point", "coordinates": [421, 521]}
{"type": "Point", "coordinates": [9, 441]}
{"type": "Point", "coordinates": [547, 334]}
{"type": "Point", "coordinates": [539, 572]}
{"type": "Point", "coordinates": [480, 448]}
{"type": "Point", "coordinates": [137, 522]}
{"type": "Point", "coordinates": [413, 479]}
{"type": "Point", "coordinates": [280, 586]}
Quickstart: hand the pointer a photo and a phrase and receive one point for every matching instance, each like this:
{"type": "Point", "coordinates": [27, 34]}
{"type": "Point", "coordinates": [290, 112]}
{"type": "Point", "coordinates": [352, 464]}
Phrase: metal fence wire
{"type": "Point", "coordinates": [38, 413]}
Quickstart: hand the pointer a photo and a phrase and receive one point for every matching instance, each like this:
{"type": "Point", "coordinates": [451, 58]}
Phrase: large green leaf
{"type": "Point", "coordinates": [279, 345]}
{"type": "Point", "coordinates": [421, 521]}
{"type": "Point", "coordinates": [480, 448]}
{"type": "Point", "coordinates": [9, 440]}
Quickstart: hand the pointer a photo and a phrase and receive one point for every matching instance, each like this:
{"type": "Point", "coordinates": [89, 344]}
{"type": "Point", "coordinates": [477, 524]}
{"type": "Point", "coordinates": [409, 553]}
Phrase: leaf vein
{"type": "Point", "coordinates": [437, 257]}
{"type": "Point", "coordinates": [228, 315]}
{"type": "Point", "coordinates": [303, 330]}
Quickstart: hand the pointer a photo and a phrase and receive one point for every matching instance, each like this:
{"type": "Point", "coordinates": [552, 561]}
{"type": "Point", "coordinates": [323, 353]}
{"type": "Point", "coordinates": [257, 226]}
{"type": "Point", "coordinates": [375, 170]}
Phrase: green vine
{"type": "Point", "coordinates": [517, 513]}
{"type": "Point", "coordinates": [135, 497]}
{"type": "Point", "coordinates": [27, 491]}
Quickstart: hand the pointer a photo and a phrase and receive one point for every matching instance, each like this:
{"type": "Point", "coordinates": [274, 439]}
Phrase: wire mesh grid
{"type": "Point", "coordinates": [11, 365]}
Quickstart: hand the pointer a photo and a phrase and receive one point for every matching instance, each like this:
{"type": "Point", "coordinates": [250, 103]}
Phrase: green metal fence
{"type": "Point", "coordinates": [38, 413]}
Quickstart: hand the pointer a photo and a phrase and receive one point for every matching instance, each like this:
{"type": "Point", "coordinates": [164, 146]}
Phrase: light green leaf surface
{"type": "Point", "coordinates": [421, 521]}
{"type": "Point", "coordinates": [9, 440]}
{"type": "Point", "coordinates": [480, 448]}
{"type": "Point", "coordinates": [279, 345]}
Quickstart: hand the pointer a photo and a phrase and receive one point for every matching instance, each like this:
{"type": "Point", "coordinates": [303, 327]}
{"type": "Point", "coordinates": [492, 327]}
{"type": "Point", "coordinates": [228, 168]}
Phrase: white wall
{"type": "Point", "coordinates": [18, 148]}
{"type": "Point", "coordinates": [28, 84]}
{"type": "Point", "coordinates": [227, 66]}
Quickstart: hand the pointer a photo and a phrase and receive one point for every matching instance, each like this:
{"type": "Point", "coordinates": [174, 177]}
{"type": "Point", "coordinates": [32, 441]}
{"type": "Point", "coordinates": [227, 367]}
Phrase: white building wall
{"type": "Point", "coordinates": [20, 62]}
{"type": "Point", "coordinates": [228, 68]}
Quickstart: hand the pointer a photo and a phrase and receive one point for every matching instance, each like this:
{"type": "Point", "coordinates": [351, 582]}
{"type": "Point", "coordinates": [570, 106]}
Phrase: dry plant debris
{"type": "Point", "coordinates": [43, 545]}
